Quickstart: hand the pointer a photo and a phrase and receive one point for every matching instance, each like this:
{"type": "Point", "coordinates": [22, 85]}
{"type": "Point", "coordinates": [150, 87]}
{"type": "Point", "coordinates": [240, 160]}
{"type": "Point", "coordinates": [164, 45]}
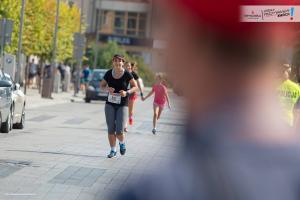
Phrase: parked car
{"type": "Point", "coordinates": [6, 89]}
{"type": "Point", "coordinates": [18, 105]}
{"type": "Point", "coordinates": [93, 91]}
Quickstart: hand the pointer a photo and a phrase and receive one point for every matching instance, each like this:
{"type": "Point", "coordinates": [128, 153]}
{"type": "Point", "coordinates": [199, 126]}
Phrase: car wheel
{"type": "Point", "coordinates": [0, 122]}
{"type": "Point", "coordinates": [6, 126]}
{"type": "Point", "coordinates": [21, 125]}
{"type": "Point", "coordinates": [103, 98]}
{"type": "Point", "coordinates": [87, 100]}
{"type": "Point", "coordinates": [12, 119]}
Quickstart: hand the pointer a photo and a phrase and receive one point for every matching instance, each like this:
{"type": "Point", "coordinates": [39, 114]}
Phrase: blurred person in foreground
{"type": "Point", "coordinates": [289, 97]}
{"type": "Point", "coordinates": [237, 143]}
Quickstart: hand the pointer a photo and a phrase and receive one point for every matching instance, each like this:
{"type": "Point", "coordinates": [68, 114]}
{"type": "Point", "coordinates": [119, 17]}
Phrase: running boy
{"type": "Point", "coordinates": [160, 99]}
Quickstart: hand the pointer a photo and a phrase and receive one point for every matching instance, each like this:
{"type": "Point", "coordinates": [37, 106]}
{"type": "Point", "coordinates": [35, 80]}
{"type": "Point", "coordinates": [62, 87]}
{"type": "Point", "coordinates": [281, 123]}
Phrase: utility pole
{"type": "Point", "coordinates": [2, 29]}
{"type": "Point", "coordinates": [79, 63]}
{"type": "Point", "coordinates": [55, 34]}
{"type": "Point", "coordinates": [53, 62]}
{"type": "Point", "coordinates": [81, 15]}
{"type": "Point", "coordinates": [48, 83]}
{"type": "Point", "coordinates": [18, 74]}
{"type": "Point", "coordinates": [98, 22]}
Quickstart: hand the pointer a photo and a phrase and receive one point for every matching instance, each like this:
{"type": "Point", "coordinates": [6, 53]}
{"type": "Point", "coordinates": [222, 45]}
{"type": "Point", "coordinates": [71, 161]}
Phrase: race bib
{"type": "Point", "coordinates": [114, 98]}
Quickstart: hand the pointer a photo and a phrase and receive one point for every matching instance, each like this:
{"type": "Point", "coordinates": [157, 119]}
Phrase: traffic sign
{"type": "Point", "coordinates": [6, 29]}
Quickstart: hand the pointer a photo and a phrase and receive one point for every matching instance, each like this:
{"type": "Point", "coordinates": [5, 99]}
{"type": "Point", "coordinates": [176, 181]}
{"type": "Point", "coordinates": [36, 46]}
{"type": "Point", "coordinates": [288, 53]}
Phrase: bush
{"type": "Point", "coordinates": [143, 70]}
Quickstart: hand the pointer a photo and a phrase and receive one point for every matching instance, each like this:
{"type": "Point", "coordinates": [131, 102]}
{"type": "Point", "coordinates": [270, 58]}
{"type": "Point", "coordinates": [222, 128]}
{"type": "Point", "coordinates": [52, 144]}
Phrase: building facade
{"type": "Point", "coordinates": [129, 23]}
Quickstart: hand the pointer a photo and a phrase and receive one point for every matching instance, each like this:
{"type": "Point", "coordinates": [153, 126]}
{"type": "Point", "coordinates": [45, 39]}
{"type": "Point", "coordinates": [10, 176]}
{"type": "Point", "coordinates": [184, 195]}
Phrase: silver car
{"type": "Point", "coordinates": [18, 105]}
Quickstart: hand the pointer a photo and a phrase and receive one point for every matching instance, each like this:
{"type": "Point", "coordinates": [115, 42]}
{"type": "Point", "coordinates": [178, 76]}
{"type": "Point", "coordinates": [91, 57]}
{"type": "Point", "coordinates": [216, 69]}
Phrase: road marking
{"type": "Point", "coordinates": [20, 194]}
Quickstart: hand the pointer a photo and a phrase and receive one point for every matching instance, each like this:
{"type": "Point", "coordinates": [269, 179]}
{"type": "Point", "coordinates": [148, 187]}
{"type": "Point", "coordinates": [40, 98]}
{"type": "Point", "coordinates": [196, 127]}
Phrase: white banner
{"type": "Point", "coordinates": [266, 13]}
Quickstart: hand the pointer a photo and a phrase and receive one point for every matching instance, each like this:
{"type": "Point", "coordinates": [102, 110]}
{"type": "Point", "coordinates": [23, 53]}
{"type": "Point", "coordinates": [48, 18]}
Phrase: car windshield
{"type": "Point", "coordinates": [98, 75]}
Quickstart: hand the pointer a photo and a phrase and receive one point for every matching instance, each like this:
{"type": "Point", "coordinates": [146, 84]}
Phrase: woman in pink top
{"type": "Point", "coordinates": [160, 98]}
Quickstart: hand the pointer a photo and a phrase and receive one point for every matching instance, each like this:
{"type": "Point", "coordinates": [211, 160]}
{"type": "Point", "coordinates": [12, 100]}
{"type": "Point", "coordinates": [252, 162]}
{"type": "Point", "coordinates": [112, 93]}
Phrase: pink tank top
{"type": "Point", "coordinates": [160, 92]}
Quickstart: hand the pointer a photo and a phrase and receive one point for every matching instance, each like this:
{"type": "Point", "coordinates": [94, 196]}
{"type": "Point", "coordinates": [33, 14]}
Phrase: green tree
{"type": "Point", "coordinates": [143, 70]}
{"type": "Point", "coordinates": [39, 21]}
{"type": "Point", "coordinates": [69, 22]}
{"type": "Point", "coordinates": [105, 54]}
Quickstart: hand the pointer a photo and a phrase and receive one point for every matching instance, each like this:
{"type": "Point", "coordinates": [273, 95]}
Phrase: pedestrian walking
{"type": "Point", "coordinates": [67, 79]}
{"type": "Point", "coordinates": [131, 68]}
{"type": "Point", "coordinates": [76, 81]}
{"type": "Point", "coordinates": [85, 75]}
{"type": "Point", "coordinates": [116, 82]}
{"type": "Point", "coordinates": [32, 72]}
{"type": "Point", "coordinates": [62, 70]}
{"type": "Point", "coordinates": [161, 97]}
{"type": "Point", "coordinates": [235, 145]}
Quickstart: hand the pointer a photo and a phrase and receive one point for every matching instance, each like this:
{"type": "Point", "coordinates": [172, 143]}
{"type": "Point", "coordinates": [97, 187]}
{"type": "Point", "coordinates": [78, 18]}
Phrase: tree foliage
{"type": "Point", "coordinates": [39, 23]}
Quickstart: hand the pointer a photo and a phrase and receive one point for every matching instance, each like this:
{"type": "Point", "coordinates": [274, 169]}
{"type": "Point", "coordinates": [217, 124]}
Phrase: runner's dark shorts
{"type": "Point", "coordinates": [116, 118]}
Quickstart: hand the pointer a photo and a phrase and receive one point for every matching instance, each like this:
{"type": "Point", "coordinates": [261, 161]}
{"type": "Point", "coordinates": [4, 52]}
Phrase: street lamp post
{"type": "Point", "coordinates": [98, 19]}
{"type": "Point", "coordinates": [81, 16]}
{"type": "Point", "coordinates": [18, 74]}
{"type": "Point", "coordinates": [48, 82]}
{"type": "Point", "coordinates": [53, 62]}
{"type": "Point", "coordinates": [55, 33]}
{"type": "Point", "coordinates": [79, 64]}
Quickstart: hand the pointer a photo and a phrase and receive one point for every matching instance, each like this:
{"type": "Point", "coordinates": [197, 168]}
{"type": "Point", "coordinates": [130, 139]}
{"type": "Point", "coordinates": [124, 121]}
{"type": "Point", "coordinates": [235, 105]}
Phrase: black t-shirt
{"type": "Point", "coordinates": [135, 76]}
{"type": "Point", "coordinates": [118, 84]}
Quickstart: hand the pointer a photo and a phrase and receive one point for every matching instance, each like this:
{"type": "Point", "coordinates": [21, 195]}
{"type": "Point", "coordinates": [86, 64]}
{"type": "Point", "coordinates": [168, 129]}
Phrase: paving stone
{"type": "Point", "coordinates": [76, 121]}
{"type": "Point", "coordinates": [41, 118]}
{"type": "Point", "coordinates": [78, 176]}
{"type": "Point", "coordinates": [6, 170]}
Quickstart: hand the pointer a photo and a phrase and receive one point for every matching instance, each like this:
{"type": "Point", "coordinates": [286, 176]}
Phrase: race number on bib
{"type": "Point", "coordinates": [114, 98]}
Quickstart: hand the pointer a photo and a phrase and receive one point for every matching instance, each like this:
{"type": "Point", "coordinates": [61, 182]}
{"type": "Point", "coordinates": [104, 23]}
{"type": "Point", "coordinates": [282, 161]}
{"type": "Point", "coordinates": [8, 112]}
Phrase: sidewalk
{"type": "Point", "coordinates": [34, 99]}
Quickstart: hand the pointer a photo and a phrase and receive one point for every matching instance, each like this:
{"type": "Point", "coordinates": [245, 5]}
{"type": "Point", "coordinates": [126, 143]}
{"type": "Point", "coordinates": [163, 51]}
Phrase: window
{"type": "Point", "coordinates": [142, 25]}
{"type": "Point", "coordinates": [130, 23]}
{"type": "Point", "coordinates": [104, 18]}
{"type": "Point", "coordinates": [119, 22]}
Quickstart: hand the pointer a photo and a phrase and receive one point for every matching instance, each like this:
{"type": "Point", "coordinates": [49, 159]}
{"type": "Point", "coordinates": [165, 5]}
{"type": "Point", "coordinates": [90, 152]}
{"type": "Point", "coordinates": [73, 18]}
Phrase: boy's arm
{"type": "Point", "coordinates": [297, 114]}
